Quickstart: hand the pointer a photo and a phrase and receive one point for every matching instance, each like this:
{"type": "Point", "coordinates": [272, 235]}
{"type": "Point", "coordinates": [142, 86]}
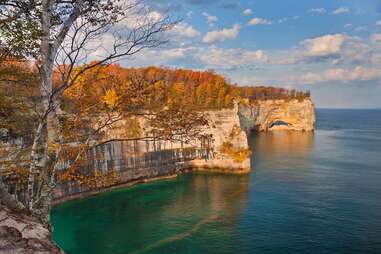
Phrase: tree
{"type": "Point", "coordinates": [18, 85]}
{"type": "Point", "coordinates": [59, 35]}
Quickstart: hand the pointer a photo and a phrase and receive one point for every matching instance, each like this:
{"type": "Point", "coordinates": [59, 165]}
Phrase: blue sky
{"type": "Point", "coordinates": [330, 47]}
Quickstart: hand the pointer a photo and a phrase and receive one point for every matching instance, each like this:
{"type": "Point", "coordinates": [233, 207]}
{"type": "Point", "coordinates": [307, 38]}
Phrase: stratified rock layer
{"type": "Point", "coordinates": [224, 125]}
{"type": "Point", "coordinates": [269, 115]}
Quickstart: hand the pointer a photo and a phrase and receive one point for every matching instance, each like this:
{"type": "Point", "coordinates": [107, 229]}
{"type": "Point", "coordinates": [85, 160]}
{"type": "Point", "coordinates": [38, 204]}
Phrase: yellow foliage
{"type": "Point", "coordinates": [53, 147]}
{"type": "Point", "coordinates": [238, 154]}
{"type": "Point", "coordinates": [110, 98]}
{"type": "Point", "coordinates": [235, 131]}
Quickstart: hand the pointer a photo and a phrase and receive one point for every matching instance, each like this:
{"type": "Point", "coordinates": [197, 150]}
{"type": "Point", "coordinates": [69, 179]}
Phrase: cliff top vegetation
{"type": "Point", "coordinates": [198, 90]}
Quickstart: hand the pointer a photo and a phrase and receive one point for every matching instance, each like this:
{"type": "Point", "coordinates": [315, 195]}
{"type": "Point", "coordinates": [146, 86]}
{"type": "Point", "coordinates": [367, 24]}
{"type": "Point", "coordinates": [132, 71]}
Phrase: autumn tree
{"type": "Point", "coordinates": [18, 89]}
{"type": "Point", "coordinates": [59, 35]}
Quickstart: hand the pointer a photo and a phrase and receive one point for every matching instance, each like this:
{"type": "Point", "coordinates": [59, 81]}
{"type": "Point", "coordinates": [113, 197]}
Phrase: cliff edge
{"type": "Point", "coordinates": [231, 152]}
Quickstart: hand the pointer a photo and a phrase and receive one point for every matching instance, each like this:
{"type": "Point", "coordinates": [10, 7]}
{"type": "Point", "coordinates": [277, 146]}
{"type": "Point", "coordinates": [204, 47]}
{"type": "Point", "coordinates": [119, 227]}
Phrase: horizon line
{"type": "Point", "coordinates": [379, 108]}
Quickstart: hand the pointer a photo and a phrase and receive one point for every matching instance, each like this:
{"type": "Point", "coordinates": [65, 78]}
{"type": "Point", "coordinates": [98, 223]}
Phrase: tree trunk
{"type": "Point", "coordinates": [43, 204]}
{"type": "Point", "coordinates": [35, 166]}
{"type": "Point", "coordinates": [38, 171]}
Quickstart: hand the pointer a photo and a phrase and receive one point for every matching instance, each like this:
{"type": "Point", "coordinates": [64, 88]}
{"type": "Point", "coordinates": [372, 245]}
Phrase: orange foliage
{"type": "Point", "coordinates": [170, 87]}
{"type": "Point", "coordinates": [237, 154]}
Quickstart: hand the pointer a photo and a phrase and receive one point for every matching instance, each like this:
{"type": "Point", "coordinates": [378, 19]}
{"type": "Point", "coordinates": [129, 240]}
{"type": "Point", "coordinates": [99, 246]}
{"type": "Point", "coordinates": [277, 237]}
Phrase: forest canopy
{"type": "Point", "coordinates": [127, 91]}
{"type": "Point", "coordinates": [153, 87]}
{"type": "Point", "coordinates": [133, 89]}
{"type": "Point", "coordinates": [197, 90]}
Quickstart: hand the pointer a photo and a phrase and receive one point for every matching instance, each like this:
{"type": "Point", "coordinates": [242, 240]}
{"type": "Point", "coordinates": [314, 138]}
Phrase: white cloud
{"type": "Point", "coordinates": [348, 25]}
{"type": "Point", "coordinates": [206, 57]}
{"type": "Point", "coordinates": [358, 73]}
{"type": "Point", "coordinates": [185, 30]}
{"type": "Point", "coordinates": [336, 49]}
{"type": "Point", "coordinates": [340, 10]}
{"type": "Point", "coordinates": [210, 18]}
{"type": "Point", "coordinates": [361, 29]}
{"type": "Point", "coordinates": [247, 12]}
{"type": "Point", "coordinates": [155, 16]}
{"type": "Point", "coordinates": [173, 53]}
{"type": "Point", "coordinates": [378, 23]}
{"type": "Point", "coordinates": [317, 10]}
{"type": "Point", "coordinates": [333, 49]}
{"type": "Point", "coordinates": [145, 57]}
{"type": "Point", "coordinates": [100, 48]}
{"type": "Point", "coordinates": [159, 57]}
{"type": "Point", "coordinates": [305, 78]}
{"type": "Point", "coordinates": [259, 21]}
{"type": "Point", "coordinates": [282, 20]}
{"type": "Point", "coordinates": [363, 73]}
{"type": "Point", "coordinates": [214, 57]}
{"type": "Point", "coordinates": [324, 45]}
{"type": "Point", "coordinates": [141, 18]}
{"type": "Point", "coordinates": [376, 38]}
{"type": "Point", "coordinates": [189, 14]}
{"type": "Point", "coordinates": [221, 35]}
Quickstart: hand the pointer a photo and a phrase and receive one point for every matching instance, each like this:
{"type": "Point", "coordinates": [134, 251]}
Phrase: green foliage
{"type": "Point", "coordinates": [18, 89]}
{"type": "Point", "coordinates": [20, 28]}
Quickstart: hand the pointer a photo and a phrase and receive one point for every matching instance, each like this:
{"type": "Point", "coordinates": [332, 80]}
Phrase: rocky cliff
{"type": "Point", "coordinates": [227, 148]}
{"type": "Point", "coordinates": [230, 144]}
{"type": "Point", "coordinates": [19, 235]}
{"type": "Point", "coordinates": [227, 145]}
{"type": "Point", "coordinates": [137, 161]}
{"type": "Point", "coordinates": [269, 115]}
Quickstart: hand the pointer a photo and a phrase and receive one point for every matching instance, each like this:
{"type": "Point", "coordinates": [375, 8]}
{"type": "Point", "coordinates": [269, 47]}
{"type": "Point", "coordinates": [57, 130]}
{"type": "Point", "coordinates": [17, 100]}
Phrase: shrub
{"type": "Point", "coordinates": [238, 154]}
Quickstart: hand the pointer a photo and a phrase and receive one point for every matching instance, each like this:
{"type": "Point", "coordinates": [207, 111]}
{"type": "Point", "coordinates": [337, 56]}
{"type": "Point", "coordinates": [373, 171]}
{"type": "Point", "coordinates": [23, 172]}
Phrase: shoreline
{"type": "Point", "coordinates": [91, 193]}
{"type": "Point", "coordinates": [132, 183]}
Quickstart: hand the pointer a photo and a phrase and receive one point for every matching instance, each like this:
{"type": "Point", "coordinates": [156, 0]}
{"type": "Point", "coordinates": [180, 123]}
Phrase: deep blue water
{"type": "Point", "coordinates": [308, 193]}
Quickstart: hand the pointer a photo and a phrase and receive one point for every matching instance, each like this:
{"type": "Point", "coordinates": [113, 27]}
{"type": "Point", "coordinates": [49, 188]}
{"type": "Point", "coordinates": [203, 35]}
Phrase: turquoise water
{"type": "Point", "coordinates": [308, 193]}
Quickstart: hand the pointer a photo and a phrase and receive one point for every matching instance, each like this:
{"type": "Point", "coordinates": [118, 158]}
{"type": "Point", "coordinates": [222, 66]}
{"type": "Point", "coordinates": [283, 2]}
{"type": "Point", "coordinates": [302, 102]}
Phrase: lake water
{"type": "Point", "coordinates": [308, 193]}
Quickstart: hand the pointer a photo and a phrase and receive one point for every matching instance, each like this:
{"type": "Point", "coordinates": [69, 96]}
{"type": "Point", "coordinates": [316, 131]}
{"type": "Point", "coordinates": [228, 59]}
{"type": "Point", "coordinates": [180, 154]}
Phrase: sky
{"type": "Point", "coordinates": [330, 47]}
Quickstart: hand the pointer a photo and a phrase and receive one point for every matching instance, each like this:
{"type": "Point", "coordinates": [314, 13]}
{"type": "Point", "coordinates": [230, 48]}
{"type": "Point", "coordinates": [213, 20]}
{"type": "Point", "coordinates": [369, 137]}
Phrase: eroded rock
{"type": "Point", "coordinates": [270, 115]}
{"type": "Point", "coordinates": [19, 235]}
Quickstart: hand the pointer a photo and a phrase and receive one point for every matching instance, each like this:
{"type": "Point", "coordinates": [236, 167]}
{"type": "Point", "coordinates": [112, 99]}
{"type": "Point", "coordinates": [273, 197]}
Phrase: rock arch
{"type": "Point", "coordinates": [278, 123]}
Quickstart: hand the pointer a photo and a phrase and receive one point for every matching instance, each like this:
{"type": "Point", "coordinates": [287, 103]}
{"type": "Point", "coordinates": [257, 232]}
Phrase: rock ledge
{"type": "Point", "coordinates": [19, 235]}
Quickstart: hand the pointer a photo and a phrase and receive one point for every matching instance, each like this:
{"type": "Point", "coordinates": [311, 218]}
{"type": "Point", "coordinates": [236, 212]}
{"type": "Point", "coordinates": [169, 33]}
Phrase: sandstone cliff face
{"type": "Point", "coordinates": [224, 125]}
{"type": "Point", "coordinates": [228, 149]}
{"type": "Point", "coordinates": [221, 125]}
{"type": "Point", "coordinates": [272, 115]}
{"type": "Point", "coordinates": [141, 160]}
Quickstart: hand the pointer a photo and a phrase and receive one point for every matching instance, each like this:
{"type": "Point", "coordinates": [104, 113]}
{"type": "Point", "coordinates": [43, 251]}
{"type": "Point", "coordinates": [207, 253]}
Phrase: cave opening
{"type": "Point", "coordinates": [279, 123]}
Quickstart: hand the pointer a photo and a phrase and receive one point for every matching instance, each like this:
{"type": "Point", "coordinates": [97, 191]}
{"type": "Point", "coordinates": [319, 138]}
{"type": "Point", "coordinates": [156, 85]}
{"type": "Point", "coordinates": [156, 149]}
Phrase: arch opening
{"type": "Point", "coordinates": [279, 123]}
